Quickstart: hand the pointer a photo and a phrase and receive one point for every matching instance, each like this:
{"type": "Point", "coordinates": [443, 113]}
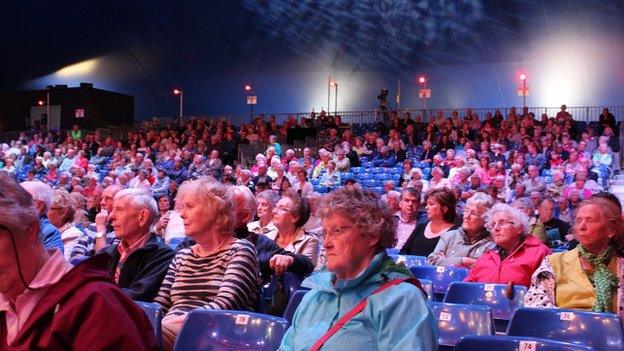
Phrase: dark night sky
{"type": "Point", "coordinates": [470, 50]}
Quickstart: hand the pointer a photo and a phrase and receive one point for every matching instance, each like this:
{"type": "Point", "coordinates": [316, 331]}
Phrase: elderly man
{"type": "Point", "coordinates": [42, 195]}
{"type": "Point", "coordinates": [140, 261]}
{"type": "Point", "coordinates": [533, 182]}
{"type": "Point", "coordinates": [463, 246]}
{"type": "Point", "coordinates": [407, 216]}
{"type": "Point", "coordinates": [547, 218]}
{"type": "Point", "coordinates": [100, 234]}
{"type": "Point", "coordinates": [46, 303]}
{"type": "Point", "coordinates": [68, 161]}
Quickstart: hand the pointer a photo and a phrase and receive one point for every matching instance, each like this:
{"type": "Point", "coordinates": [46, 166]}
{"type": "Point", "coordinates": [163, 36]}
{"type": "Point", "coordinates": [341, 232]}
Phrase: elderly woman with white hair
{"type": "Point", "coordinates": [266, 202]}
{"type": "Point", "coordinates": [42, 195]}
{"type": "Point", "coordinates": [437, 179]}
{"type": "Point", "coordinates": [463, 246]}
{"type": "Point", "coordinates": [358, 228]}
{"type": "Point", "coordinates": [61, 215]}
{"type": "Point", "coordinates": [219, 271]}
{"type": "Point", "coordinates": [516, 255]}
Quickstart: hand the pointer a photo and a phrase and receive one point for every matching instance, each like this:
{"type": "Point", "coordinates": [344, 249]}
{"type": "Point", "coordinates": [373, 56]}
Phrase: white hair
{"type": "Point", "coordinates": [518, 217]}
{"type": "Point", "coordinates": [141, 199]}
{"type": "Point", "coordinates": [40, 192]}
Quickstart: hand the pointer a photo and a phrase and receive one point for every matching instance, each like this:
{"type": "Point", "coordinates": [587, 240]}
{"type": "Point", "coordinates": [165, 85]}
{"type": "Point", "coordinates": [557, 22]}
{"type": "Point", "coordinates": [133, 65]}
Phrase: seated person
{"type": "Point", "coordinates": [546, 211]}
{"type": "Point", "coordinates": [218, 271]}
{"type": "Point", "coordinates": [463, 246]}
{"type": "Point", "coordinates": [516, 255]}
{"type": "Point", "coordinates": [140, 259]}
{"type": "Point", "coordinates": [587, 277]}
{"type": "Point", "coordinates": [61, 215]}
{"type": "Point", "coordinates": [48, 304]}
{"type": "Point", "coordinates": [42, 195]}
{"type": "Point", "coordinates": [440, 206]}
{"type": "Point", "coordinates": [289, 215]}
{"type": "Point", "coordinates": [358, 229]}
{"type": "Point", "coordinates": [536, 228]}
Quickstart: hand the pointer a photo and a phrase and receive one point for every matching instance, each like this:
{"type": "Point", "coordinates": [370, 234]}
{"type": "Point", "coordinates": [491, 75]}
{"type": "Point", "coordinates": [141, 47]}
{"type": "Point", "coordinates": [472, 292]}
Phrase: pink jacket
{"type": "Point", "coordinates": [517, 267]}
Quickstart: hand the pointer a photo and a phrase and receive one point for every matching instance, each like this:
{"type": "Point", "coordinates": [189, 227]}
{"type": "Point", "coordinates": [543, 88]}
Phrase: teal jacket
{"type": "Point", "coordinates": [397, 318]}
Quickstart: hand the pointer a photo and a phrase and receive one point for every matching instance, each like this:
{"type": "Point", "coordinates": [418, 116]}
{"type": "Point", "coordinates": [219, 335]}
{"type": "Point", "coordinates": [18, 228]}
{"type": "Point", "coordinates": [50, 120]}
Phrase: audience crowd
{"type": "Point", "coordinates": [187, 226]}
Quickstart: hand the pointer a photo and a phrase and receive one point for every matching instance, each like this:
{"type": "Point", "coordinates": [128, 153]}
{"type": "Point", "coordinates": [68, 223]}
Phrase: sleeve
{"type": "Point", "coordinates": [163, 297]}
{"type": "Point", "coordinates": [541, 293]}
{"type": "Point", "coordinates": [240, 281]}
{"type": "Point", "coordinates": [438, 256]}
{"type": "Point", "coordinates": [145, 286]}
{"type": "Point", "coordinates": [416, 331]}
{"type": "Point", "coordinates": [310, 249]}
{"type": "Point", "coordinates": [81, 249]}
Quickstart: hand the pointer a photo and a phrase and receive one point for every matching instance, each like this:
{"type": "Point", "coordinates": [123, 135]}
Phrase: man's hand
{"type": "Point", "coordinates": [281, 263]}
{"type": "Point", "coordinates": [101, 220]}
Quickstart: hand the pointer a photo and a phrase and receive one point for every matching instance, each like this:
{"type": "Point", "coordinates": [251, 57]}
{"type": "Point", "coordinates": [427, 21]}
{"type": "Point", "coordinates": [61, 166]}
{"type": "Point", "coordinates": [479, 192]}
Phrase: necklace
{"type": "Point", "coordinates": [199, 250]}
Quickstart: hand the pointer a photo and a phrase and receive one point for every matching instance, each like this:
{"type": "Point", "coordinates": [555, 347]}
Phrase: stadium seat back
{"type": "Point", "coordinates": [441, 277]}
{"type": "Point", "coordinates": [514, 343]}
{"type": "Point", "coordinates": [154, 314]}
{"type": "Point", "coordinates": [293, 303]}
{"type": "Point", "coordinates": [410, 260]}
{"type": "Point", "coordinates": [220, 330]}
{"type": "Point", "coordinates": [601, 331]}
{"type": "Point", "coordinates": [493, 295]}
{"type": "Point", "coordinates": [458, 320]}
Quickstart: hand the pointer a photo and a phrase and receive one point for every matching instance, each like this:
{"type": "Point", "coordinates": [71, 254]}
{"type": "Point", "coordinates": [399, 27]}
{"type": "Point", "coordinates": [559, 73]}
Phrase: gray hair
{"type": "Point", "coordinates": [481, 200]}
{"type": "Point", "coordinates": [518, 217]}
{"type": "Point", "coordinates": [271, 197]}
{"type": "Point", "coordinates": [141, 199]}
{"type": "Point", "coordinates": [245, 200]}
{"type": "Point", "coordinates": [18, 208]}
{"type": "Point", "coordinates": [64, 200]}
{"type": "Point", "coordinates": [40, 192]}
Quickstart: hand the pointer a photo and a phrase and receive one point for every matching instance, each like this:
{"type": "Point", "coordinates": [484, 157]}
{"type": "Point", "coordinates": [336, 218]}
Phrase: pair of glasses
{"type": "Point", "coordinates": [337, 231]}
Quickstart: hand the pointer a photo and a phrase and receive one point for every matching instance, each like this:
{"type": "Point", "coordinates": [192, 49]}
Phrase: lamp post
{"type": "Point", "coordinates": [180, 93]}
{"type": "Point", "coordinates": [335, 85]}
{"type": "Point", "coordinates": [523, 78]}
{"type": "Point", "coordinates": [251, 98]}
{"type": "Point", "coordinates": [423, 82]}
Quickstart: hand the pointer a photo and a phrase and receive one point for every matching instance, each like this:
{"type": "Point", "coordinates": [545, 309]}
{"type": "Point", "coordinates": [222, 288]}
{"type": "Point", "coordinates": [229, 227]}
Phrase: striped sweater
{"type": "Point", "coordinates": [225, 280]}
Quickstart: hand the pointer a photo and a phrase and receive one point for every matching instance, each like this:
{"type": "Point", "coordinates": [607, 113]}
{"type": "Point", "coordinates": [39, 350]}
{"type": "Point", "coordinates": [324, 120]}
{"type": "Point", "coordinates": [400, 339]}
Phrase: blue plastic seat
{"type": "Point", "coordinates": [514, 343]}
{"type": "Point", "coordinates": [365, 175]}
{"type": "Point", "coordinates": [293, 303]}
{"type": "Point", "coordinates": [601, 331]}
{"type": "Point", "coordinates": [378, 170]}
{"type": "Point", "coordinates": [378, 190]}
{"type": "Point", "coordinates": [410, 260]}
{"type": "Point", "coordinates": [392, 251]}
{"type": "Point", "coordinates": [357, 170]}
{"type": "Point", "coordinates": [457, 320]}
{"type": "Point", "coordinates": [493, 295]}
{"type": "Point", "coordinates": [154, 314]}
{"type": "Point", "coordinates": [218, 330]}
{"type": "Point", "coordinates": [441, 277]}
{"type": "Point", "coordinates": [174, 242]}
{"type": "Point", "coordinates": [427, 285]}
{"type": "Point", "coordinates": [369, 183]}
{"type": "Point", "coordinates": [321, 189]}
{"type": "Point", "coordinates": [382, 176]}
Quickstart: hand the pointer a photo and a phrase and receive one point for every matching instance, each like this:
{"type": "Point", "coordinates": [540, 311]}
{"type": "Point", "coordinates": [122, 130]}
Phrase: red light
{"type": "Point", "coordinates": [40, 102]}
{"type": "Point", "coordinates": [177, 91]}
{"type": "Point", "coordinates": [248, 87]}
{"type": "Point", "coordinates": [333, 83]}
{"type": "Point", "coordinates": [422, 80]}
{"type": "Point", "coordinates": [523, 76]}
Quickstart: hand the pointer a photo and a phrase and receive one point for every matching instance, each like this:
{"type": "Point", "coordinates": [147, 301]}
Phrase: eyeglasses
{"type": "Point", "coordinates": [337, 231]}
{"type": "Point", "coordinates": [503, 223]}
{"type": "Point", "coordinates": [282, 209]}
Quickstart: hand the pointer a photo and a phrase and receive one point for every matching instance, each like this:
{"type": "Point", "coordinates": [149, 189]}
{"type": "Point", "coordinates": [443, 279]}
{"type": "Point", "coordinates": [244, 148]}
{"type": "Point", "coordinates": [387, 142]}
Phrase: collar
{"type": "Point", "coordinates": [399, 215]}
{"type": "Point", "coordinates": [327, 281]}
{"type": "Point", "coordinates": [125, 250]}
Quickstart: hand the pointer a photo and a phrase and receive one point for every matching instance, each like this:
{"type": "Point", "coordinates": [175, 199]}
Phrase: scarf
{"type": "Point", "coordinates": [605, 282]}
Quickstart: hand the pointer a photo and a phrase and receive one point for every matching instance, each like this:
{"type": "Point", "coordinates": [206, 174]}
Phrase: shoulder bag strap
{"type": "Point", "coordinates": [357, 309]}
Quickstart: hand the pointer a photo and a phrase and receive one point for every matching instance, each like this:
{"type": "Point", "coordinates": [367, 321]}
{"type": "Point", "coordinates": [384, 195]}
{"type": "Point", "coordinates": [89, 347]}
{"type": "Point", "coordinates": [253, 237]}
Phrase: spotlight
{"type": "Point", "coordinates": [523, 76]}
{"type": "Point", "coordinates": [422, 80]}
{"type": "Point", "coordinates": [40, 102]}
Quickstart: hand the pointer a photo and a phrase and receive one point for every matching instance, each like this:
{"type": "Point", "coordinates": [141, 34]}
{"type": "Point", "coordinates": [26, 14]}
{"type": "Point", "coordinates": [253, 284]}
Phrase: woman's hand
{"type": "Point", "coordinates": [280, 263]}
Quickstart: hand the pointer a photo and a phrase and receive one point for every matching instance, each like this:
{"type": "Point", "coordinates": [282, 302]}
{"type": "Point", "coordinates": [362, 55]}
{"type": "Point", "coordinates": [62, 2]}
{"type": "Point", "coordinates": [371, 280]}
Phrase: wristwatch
{"type": "Point", "coordinates": [99, 235]}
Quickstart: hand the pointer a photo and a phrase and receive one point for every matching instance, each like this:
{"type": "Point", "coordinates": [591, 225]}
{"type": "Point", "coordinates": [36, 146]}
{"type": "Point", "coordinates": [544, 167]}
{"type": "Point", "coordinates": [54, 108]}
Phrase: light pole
{"type": "Point", "coordinates": [423, 82]}
{"type": "Point", "coordinates": [335, 85]}
{"type": "Point", "coordinates": [180, 93]}
{"type": "Point", "coordinates": [523, 78]}
{"type": "Point", "coordinates": [251, 98]}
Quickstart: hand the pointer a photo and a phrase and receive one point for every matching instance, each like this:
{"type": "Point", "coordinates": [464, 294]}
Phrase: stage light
{"type": "Point", "coordinates": [40, 102]}
{"type": "Point", "coordinates": [177, 92]}
{"type": "Point", "coordinates": [422, 80]}
{"type": "Point", "coordinates": [248, 87]}
{"type": "Point", "coordinates": [79, 69]}
{"type": "Point", "coordinates": [523, 77]}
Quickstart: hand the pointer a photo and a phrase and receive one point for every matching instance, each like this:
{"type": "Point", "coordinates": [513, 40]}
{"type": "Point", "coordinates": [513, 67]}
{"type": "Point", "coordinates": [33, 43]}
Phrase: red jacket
{"type": "Point", "coordinates": [517, 267]}
{"type": "Point", "coordinates": [84, 310]}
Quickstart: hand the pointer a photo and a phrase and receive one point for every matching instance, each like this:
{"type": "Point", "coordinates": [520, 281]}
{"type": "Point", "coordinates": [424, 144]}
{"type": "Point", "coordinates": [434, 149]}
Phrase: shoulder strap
{"type": "Point", "coordinates": [359, 308]}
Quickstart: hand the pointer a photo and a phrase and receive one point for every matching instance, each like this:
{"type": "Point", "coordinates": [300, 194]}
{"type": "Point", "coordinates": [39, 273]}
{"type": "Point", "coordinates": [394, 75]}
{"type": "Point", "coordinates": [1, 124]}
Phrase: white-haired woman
{"type": "Point", "coordinates": [358, 228]}
{"type": "Point", "coordinates": [61, 215]}
{"type": "Point", "coordinates": [463, 246]}
{"type": "Point", "coordinates": [219, 271]}
{"type": "Point", "coordinates": [516, 255]}
{"type": "Point", "coordinates": [437, 179]}
{"type": "Point", "coordinates": [266, 201]}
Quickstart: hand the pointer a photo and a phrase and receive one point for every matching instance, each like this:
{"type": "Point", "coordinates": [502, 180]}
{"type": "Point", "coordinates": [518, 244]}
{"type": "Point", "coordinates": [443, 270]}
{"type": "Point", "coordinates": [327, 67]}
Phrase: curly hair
{"type": "Point", "coordinates": [370, 215]}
